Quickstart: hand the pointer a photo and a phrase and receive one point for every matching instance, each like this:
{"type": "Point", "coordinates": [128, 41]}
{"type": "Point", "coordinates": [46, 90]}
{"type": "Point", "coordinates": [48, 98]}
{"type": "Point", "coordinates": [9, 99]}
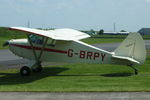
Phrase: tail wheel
{"type": "Point", "coordinates": [25, 71]}
{"type": "Point", "coordinates": [135, 70]}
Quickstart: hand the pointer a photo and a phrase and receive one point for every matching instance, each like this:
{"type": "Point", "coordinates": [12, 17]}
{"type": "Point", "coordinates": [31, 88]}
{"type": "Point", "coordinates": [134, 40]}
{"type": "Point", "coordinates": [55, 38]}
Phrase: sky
{"type": "Point", "coordinates": [129, 15]}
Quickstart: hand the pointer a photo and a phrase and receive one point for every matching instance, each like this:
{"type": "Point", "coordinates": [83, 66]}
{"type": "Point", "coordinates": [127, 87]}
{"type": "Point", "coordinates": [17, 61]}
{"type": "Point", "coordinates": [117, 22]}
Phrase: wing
{"type": "Point", "coordinates": [57, 34]}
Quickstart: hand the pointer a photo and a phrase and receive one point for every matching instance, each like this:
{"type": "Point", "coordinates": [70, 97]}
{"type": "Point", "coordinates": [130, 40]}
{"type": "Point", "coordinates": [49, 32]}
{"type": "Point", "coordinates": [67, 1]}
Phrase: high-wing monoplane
{"type": "Point", "coordinates": [64, 45]}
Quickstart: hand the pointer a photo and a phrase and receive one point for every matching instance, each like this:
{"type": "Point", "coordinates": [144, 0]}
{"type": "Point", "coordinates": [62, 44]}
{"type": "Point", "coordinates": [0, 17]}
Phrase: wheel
{"type": "Point", "coordinates": [25, 71]}
{"type": "Point", "coordinates": [37, 69]}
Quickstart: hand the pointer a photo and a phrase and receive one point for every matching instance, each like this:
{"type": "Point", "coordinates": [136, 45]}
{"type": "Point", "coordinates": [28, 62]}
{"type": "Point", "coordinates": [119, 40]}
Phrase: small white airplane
{"type": "Point", "coordinates": [64, 45]}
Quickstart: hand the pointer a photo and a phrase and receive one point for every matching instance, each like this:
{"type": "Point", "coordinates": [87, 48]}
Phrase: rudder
{"type": "Point", "coordinates": [133, 47]}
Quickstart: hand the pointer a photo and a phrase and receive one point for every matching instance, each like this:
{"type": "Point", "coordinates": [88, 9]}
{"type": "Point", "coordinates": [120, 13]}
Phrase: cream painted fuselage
{"type": "Point", "coordinates": [62, 51]}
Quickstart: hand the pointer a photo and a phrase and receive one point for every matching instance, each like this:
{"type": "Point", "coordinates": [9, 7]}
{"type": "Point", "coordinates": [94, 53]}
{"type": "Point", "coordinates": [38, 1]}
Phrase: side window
{"type": "Point", "coordinates": [36, 39]}
{"type": "Point", "coordinates": [51, 42]}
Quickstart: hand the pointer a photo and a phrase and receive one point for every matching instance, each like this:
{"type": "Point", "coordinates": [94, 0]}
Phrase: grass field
{"type": "Point", "coordinates": [117, 36]}
{"type": "Point", "coordinates": [102, 40]}
{"type": "Point", "coordinates": [78, 77]}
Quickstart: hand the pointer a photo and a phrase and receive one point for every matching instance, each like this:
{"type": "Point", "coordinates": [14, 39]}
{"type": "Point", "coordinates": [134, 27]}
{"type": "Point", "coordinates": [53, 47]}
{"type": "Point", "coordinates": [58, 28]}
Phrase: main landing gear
{"type": "Point", "coordinates": [26, 70]}
{"type": "Point", "coordinates": [36, 65]}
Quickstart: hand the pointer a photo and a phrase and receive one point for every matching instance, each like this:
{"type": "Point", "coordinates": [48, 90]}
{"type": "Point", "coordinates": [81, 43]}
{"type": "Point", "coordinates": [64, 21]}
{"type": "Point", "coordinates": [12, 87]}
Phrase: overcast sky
{"type": "Point", "coordinates": [130, 15]}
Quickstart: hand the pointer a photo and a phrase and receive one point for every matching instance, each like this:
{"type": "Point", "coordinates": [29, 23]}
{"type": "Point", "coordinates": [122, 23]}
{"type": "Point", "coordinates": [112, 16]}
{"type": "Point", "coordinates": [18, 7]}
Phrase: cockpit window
{"type": "Point", "coordinates": [51, 42]}
{"type": "Point", "coordinates": [36, 39]}
{"type": "Point", "coordinates": [40, 40]}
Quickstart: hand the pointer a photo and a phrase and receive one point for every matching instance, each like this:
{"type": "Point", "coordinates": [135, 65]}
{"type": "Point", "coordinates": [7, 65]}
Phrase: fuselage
{"type": "Point", "coordinates": [61, 51]}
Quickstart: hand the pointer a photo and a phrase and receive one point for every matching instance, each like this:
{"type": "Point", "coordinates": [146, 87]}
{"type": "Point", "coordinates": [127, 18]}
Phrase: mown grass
{"type": "Point", "coordinates": [78, 78]}
{"type": "Point", "coordinates": [96, 39]}
{"type": "Point", "coordinates": [102, 40]}
{"type": "Point", "coordinates": [117, 36]}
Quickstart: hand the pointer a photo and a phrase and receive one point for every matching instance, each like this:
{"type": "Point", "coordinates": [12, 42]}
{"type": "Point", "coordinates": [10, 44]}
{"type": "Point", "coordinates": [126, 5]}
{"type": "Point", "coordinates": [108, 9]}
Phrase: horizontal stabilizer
{"type": "Point", "coordinates": [126, 58]}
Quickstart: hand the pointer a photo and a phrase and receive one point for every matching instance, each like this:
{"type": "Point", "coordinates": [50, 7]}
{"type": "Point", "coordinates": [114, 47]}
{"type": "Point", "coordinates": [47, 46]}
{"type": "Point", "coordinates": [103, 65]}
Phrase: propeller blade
{"type": "Point", "coordinates": [6, 43]}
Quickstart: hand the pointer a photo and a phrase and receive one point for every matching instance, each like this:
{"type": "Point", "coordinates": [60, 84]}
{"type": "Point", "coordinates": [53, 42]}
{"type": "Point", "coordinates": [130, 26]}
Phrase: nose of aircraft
{"type": "Point", "coordinates": [6, 43]}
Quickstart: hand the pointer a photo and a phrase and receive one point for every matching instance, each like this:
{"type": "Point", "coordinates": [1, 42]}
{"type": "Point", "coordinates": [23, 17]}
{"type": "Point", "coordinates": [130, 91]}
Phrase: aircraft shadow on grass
{"type": "Point", "coordinates": [125, 74]}
{"type": "Point", "coordinates": [16, 78]}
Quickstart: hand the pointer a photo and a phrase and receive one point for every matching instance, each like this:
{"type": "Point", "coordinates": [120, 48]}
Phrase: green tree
{"type": "Point", "coordinates": [101, 32]}
{"type": "Point", "coordinates": [123, 31]}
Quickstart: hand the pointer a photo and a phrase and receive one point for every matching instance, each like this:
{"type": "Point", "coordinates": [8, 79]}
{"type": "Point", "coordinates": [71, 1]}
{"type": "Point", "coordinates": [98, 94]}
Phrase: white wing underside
{"type": "Point", "coordinates": [57, 34]}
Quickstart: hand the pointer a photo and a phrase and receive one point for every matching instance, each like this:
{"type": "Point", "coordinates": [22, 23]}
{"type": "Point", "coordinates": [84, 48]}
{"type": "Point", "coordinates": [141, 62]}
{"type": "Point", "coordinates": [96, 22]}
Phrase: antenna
{"type": "Point", "coordinates": [114, 27]}
{"type": "Point", "coordinates": [28, 24]}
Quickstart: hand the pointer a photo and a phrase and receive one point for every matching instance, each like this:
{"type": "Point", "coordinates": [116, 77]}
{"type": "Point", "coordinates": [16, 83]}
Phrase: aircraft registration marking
{"type": "Point", "coordinates": [86, 54]}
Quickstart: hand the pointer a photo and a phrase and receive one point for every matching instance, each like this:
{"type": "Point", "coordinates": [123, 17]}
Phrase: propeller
{"type": "Point", "coordinates": [6, 44]}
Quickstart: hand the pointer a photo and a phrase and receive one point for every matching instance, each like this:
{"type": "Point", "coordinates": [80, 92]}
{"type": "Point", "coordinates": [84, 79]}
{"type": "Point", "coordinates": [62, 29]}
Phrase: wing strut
{"type": "Point", "coordinates": [33, 50]}
{"type": "Point", "coordinates": [36, 67]}
{"type": "Point", "coordinates": [45, 41]}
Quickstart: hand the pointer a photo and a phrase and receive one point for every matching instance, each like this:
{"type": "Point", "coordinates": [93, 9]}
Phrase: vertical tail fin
{"type": "Point", "coordinates": [132, 47]}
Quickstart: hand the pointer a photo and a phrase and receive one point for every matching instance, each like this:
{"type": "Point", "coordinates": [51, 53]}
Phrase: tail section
{"type": "Point", "coordinates": [132, 49]}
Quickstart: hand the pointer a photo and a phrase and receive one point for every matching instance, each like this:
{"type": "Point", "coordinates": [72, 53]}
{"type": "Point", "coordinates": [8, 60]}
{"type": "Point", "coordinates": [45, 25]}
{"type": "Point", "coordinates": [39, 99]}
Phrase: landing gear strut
{"type": "Point", "coordinates": [135, 70]}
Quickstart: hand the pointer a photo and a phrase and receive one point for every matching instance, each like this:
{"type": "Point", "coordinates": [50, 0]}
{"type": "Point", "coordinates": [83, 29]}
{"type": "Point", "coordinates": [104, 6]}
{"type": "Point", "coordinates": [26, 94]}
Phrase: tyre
{"type": "Point", "coordinates": [25, 71]}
